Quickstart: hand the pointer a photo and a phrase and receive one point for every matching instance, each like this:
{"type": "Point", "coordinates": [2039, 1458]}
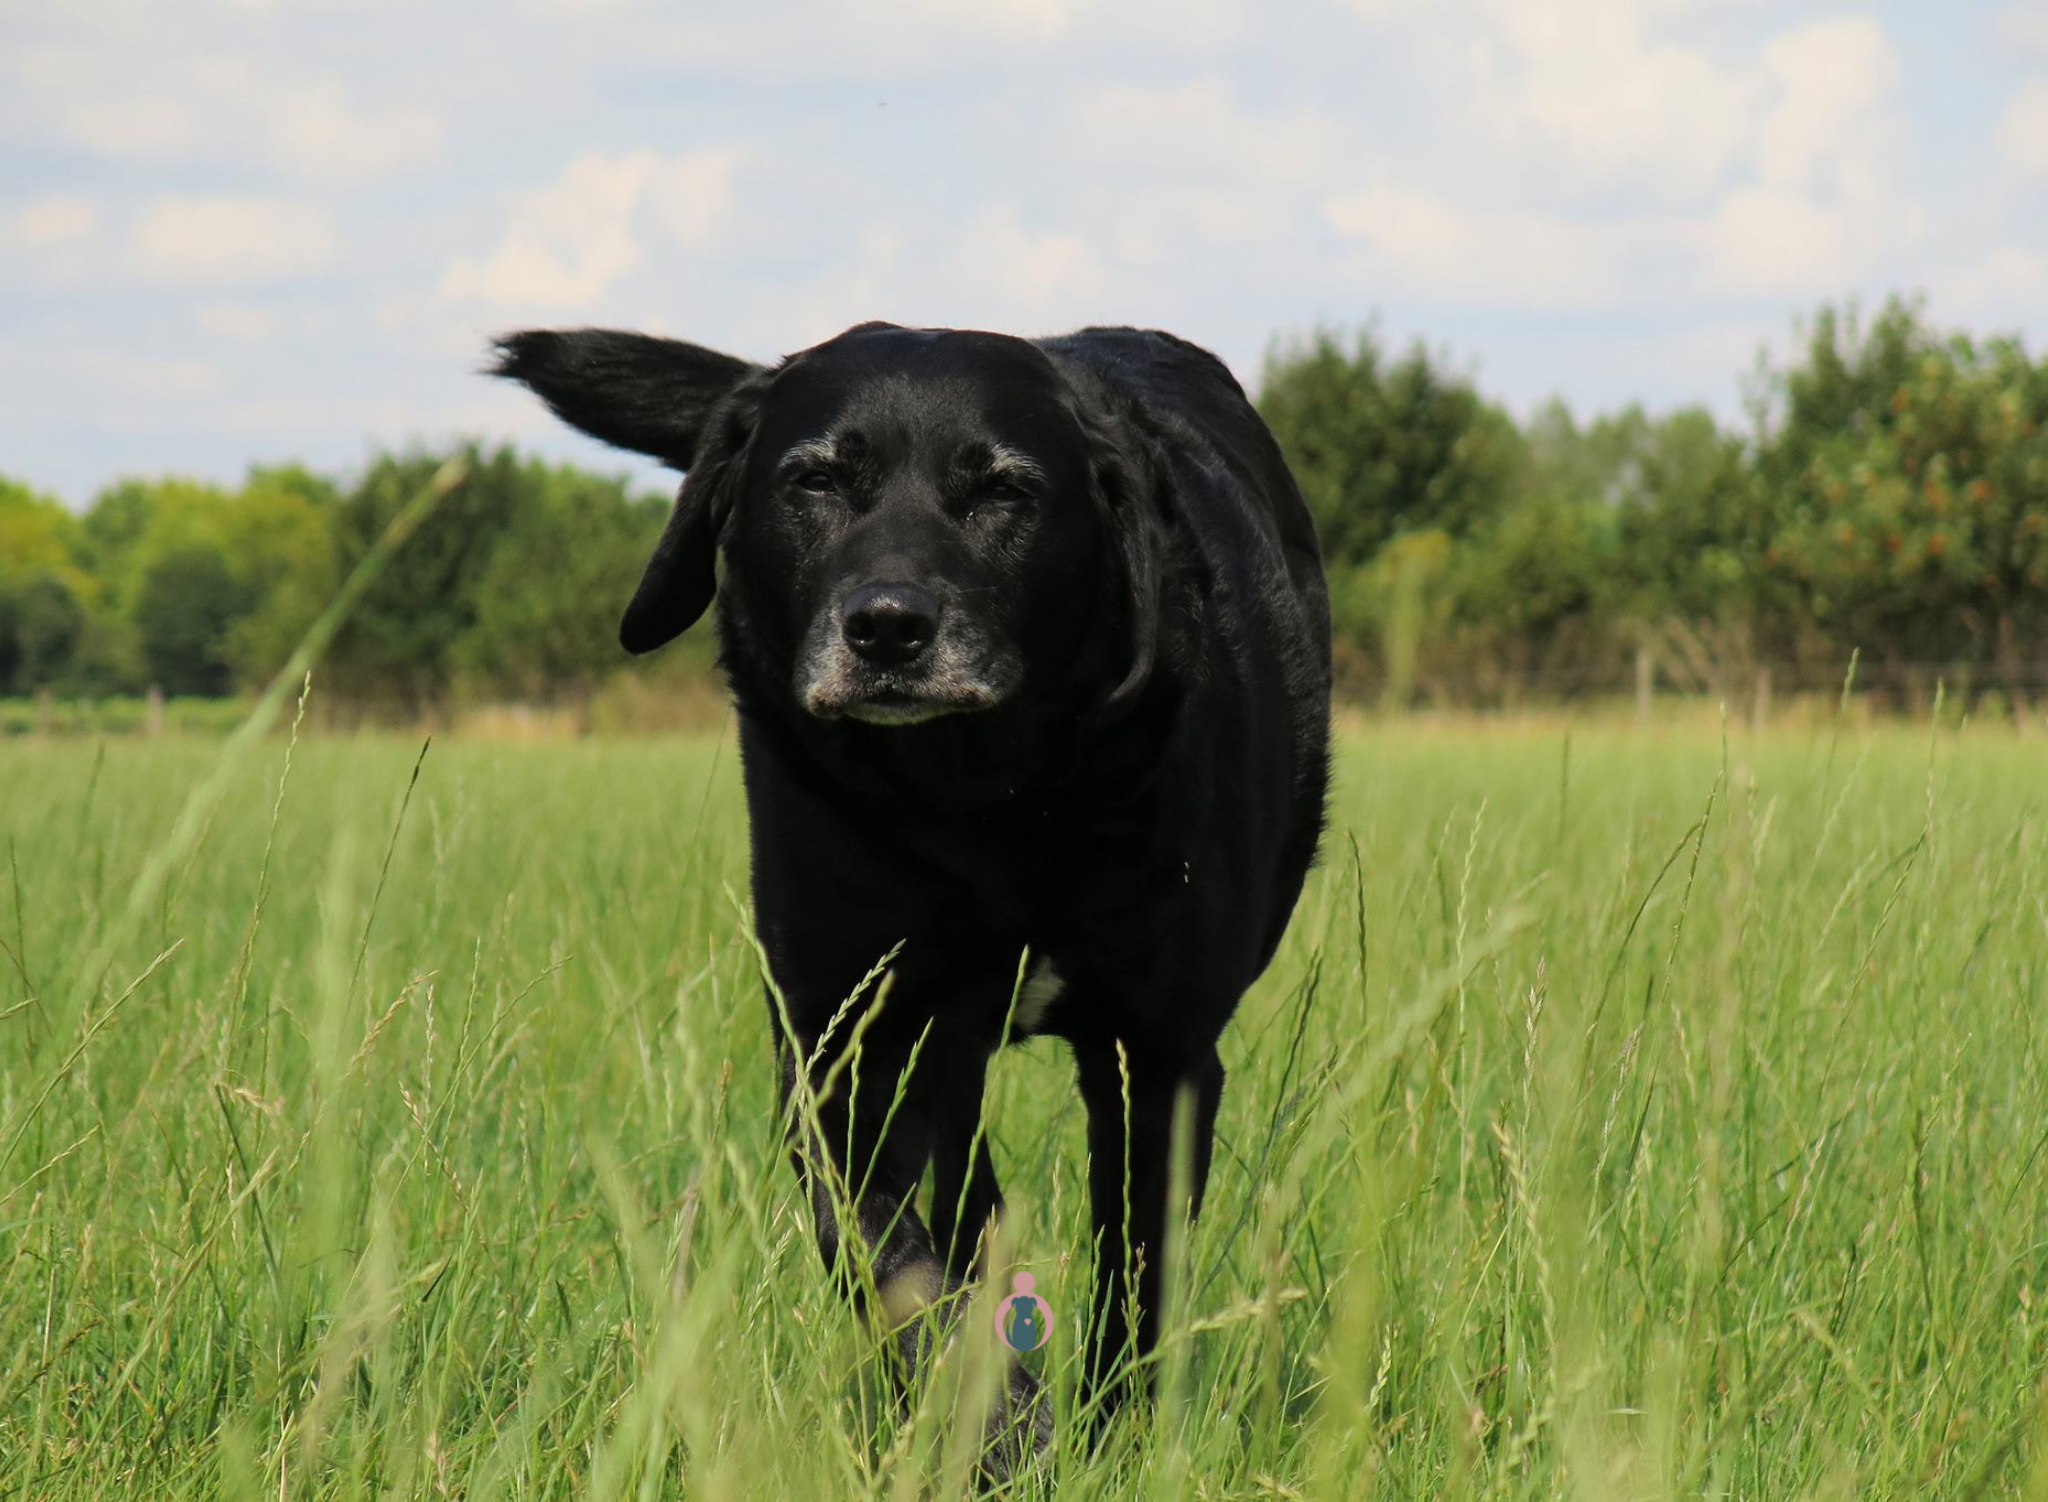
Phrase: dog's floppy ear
{"type": "Point", "coordinates": [691, 408]}
{"type": "Point", "coordinates": [1123, 490]}
{"type": "Point", "coordinates": [682, 575]}
{"type": "Point", "coordinates": [633, 391]}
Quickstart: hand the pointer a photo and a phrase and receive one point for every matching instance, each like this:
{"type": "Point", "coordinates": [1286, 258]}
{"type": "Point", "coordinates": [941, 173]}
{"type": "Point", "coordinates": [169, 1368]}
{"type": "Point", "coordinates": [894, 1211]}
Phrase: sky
{"type": "Point", "coordinates": [261, 230]}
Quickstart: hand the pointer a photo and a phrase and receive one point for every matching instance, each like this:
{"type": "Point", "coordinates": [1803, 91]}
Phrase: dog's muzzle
{"type": "Point", "coordinates": [894, 654]}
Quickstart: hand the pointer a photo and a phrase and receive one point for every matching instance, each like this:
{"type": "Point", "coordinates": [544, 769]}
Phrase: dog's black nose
{"type": "Point", "coordinates": [889, 624]}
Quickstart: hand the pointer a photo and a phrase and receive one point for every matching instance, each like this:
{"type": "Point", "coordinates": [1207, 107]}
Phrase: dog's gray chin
{"type": "Point", "coordinates": [898, 708]}
{"type": "Point", "coordinates": [898, 712]}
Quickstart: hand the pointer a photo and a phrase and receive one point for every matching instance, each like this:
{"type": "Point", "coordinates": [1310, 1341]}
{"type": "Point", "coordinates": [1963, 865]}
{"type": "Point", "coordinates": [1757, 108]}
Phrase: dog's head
{"type": "Point", "coordinates": [914, 522]}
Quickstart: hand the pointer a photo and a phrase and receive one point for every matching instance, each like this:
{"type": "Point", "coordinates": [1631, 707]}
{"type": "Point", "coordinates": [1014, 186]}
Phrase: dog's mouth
{"type": "Point", "coordinates": [897, 703]}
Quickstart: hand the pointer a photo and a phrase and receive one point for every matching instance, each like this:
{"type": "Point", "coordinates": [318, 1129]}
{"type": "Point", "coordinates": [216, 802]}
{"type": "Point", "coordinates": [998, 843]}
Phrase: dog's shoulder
{"type": "Point", "coordinates": [1156, 369]}
{"type": "Point", "coordinates": [1231, 481]}
{"type": "Point", "coordinates": [1190, 398]}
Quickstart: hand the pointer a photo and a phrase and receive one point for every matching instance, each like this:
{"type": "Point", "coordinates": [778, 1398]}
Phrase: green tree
{"type": "Point", "coordinates": [1695, 531]}
{"type": "Point", "coordinates": [115, 523]}
{"type": "Point", "coordinates": [187, 602]}
{"type": "Point", "coordinates": [274, 537]}
{"type": "Point", "coordinates": [1598, 461]}
{"type": "Point", "coordinates": [549, 601]}
{"type": "Point", "coordinates": [278, 533]}
{"type": "Point", "coordinates": [1913, 470]}
{"type": "Point", "coordinates": [1535, 575]}
{"type": "Point", "coordinates": [43, 591]}
{"type": "Point", "coordinates": [36, 532]}
{"type": "Point", "coordinates": [42, 622]}
{"type": "Point", "coordinates": [1383, 447]}
{"type": "Point", "coordinates": [400, 643]}
{"type": "Point", "coordinates": [128, 526]}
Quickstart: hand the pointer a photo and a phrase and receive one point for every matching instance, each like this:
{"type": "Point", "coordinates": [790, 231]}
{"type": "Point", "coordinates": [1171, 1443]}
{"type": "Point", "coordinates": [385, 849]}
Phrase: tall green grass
{"type": "Point", "coordinates": [1628, 1115]}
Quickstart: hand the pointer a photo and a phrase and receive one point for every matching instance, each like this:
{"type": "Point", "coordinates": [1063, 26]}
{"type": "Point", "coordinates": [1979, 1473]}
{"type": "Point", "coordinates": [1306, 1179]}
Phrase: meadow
{"type": "Point", "coordinates": [1631, 1113]}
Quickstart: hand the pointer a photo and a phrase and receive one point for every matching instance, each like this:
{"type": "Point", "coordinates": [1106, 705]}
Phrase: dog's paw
{"type": "Point", "coordinates": [1019, 1427]}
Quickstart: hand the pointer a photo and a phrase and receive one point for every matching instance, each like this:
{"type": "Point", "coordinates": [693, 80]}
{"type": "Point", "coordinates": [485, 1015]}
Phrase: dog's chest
{"type": "Point", "coordinates": [1042, 987]}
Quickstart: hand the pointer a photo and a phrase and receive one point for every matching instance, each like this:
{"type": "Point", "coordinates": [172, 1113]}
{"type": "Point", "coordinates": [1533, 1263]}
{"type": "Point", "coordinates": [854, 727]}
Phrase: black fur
{"type": "Point", "coordinates": [1132, 791]}
{"type": "Point", "coordinates": [632, 390]}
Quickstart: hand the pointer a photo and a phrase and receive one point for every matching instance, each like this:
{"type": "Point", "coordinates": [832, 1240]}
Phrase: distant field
{"type": "Point", "coordinates": [119, 715]}
{"type": "Point", "coordinates": [1629, 1115]}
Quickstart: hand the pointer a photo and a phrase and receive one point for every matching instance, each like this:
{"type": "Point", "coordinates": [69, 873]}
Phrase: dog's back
{"type": "Point", "coordinates": [1244, 515]}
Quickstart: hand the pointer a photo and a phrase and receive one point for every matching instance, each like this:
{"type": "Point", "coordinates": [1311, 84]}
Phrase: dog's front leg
{"type": "Point", "coordinates": [860, 1140]}
{"type": "Point", "coordinates": [966, 1198]}
{"type": "Point", "coordinates": [859, 1163]}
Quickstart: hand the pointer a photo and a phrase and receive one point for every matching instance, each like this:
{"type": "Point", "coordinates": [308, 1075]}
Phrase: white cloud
{"type": "Point", "coordinates": [1663, 166]}
{"type": "Point", "coordinates": [133, 125]}
{"type": "Point", "coordinates": [1031, 273]}
{"type": "Point", "coordinates": [1389, 12]}
{"type": "Point", "coordinates": [1200, 126]}
{"type": "Point", "coordinates": [1199, 167]}
{"type": "Point", "coordinates": [151, 376]}
{"type": "Point", "coordinates": [308, 126]}
{"type": "Point", "coordinates": [1588, 89]}
{"type": "Point", "coordinates": [56, 222]}
{"type": "Point", "coordinates": [1602, 95]}
{"type": "Point", "coordinates": [1426, 243]}
{"type": "Point", "coordinates": [877, 19]}
{"type": "Point", "coordinates": [567, 244]}
{"type": "Point", "coordinates": [1585, 80]}
{"type": "Point", "coordinates": [1824, 206]}
{"type": "Point", "coordinates": [1033, 19]}
{"type": "Point", "coordinates": [1769, 240]}
{"type": "Point", "coordinates": [861, 281]}
{"type": "Point", "coordinates": [1770, 176]}
{"type": "Point", "coordinates": [2022, 27]}
{"type": "Point", "coordinates": [2023, 129]}
{"type": "Point", "coordinates": [901, 38]}
{"type": "Point", "coordinates": [319, 133]}
{"type": "Point", "coordinates": [1756, 241]}
{"type": "Point", "coordinates": [222, 239]}
{"type": "Point", "coordinates": [996, 271]}
{"type": "Point", "coordinates": [1829, 82]}
{"type": "Point", "coordinates": [2000, 281]}
{"type": "Point", "coordinates": [244, 323]}
{"type": "Point", "coordinates": [691, 196]}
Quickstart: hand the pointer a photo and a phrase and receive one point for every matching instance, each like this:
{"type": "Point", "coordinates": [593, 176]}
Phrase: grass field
{"type": "Point", "coordinates": [1628, 1115]}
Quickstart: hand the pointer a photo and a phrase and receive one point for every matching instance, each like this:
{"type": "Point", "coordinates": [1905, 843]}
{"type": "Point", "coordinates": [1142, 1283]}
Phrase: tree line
{"type": "Point", "coordinates": [1888, 496]}
{"type": "Point", "coordinates": [511, 588]}
{"type": "Point", "coordinates": [1887, 499]}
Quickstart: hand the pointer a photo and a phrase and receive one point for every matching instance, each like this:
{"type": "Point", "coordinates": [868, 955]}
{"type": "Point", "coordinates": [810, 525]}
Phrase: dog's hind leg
{"type": "Point", "coordinates": [1130, 1091]}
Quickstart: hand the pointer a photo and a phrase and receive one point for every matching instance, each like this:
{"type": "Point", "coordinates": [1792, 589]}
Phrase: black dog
{"type": "Point", "coordinates": [1030, 649]}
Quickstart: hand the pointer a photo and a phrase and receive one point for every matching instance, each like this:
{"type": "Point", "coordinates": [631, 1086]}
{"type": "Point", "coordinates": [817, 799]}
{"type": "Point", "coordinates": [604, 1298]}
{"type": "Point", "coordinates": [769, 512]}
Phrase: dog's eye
{"type": "Point", "coordinates": [1001, 488]}
{"type": "Point", "coordinates": [815, 482]}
